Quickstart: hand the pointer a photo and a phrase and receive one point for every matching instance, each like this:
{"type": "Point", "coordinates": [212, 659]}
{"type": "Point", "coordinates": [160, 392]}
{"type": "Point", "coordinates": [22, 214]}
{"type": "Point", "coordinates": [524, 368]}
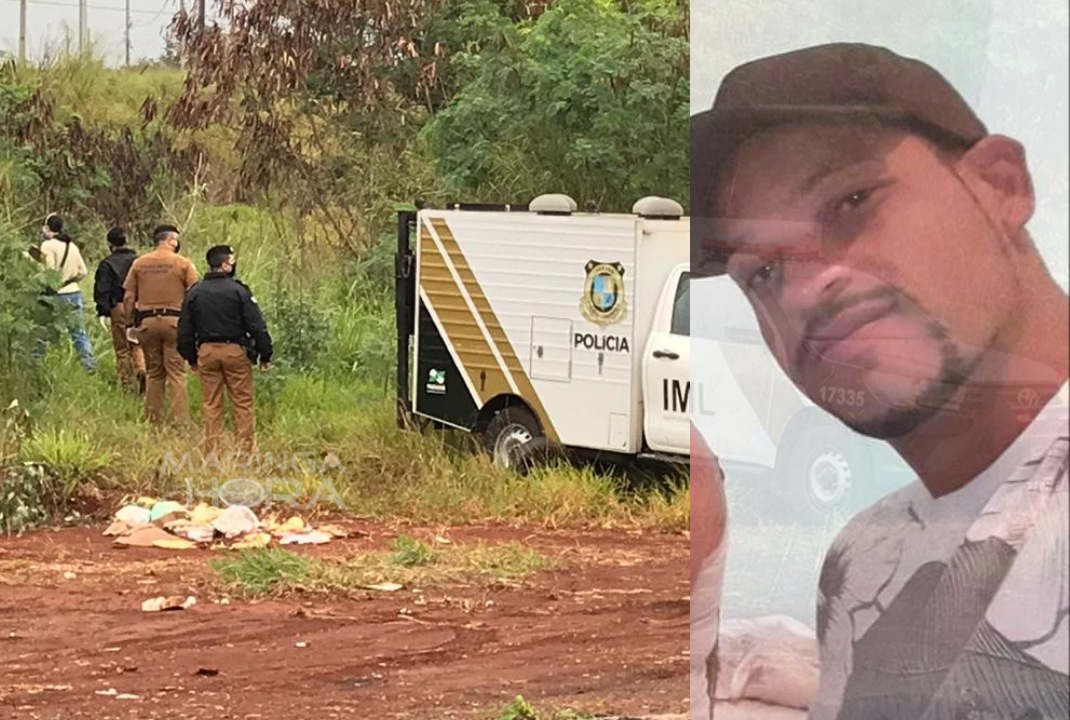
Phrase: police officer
{"type": "Point", "coordinates": [221, 335]}
{"type": "Point", "coordinates": [108, 296]}
{"type": "Point", "coordinates": [155, 289]}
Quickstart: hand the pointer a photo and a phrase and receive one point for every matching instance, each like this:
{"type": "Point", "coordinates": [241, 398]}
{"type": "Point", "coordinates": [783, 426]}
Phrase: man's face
{"type": "Point", "coordinates": [878, 270]}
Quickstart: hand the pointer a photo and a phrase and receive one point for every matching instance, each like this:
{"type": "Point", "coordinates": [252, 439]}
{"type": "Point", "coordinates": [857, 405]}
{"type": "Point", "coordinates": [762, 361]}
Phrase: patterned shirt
{"type": "Point", "coordinates": [955, 608]}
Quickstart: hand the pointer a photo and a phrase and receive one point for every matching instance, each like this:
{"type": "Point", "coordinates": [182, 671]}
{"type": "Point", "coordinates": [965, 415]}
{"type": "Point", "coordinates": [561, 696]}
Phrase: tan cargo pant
{"type": "Point", "coordinates": [129, 358]}
{"type": "Point", "coordinates": [164, 367]}
{"type": "Point", "coordinates": [226, 366]}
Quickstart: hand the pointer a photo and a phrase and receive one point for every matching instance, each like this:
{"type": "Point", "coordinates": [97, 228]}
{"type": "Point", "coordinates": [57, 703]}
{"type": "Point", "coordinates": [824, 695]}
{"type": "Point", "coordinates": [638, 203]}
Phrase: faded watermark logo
{"type": "Point", "coordinates": [301, 480]}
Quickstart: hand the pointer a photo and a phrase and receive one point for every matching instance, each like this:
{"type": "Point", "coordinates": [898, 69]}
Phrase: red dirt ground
{"type": "Point", "coordinates": [606, 633]}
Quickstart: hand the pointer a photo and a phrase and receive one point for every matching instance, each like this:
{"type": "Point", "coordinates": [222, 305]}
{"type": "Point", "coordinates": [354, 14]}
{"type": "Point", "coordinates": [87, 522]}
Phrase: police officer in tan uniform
{"type": "Point", "coordinates": [222, 334]}
{"type": "Point", "coordinates": [155, 290]}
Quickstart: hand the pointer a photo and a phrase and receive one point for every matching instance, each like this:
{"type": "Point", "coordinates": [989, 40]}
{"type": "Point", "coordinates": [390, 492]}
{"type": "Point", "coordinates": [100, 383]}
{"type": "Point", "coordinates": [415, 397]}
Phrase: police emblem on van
{"type": "Point", "coordinates": [603, 300]}
{"type": "Point", "coordinates": [436, 382]}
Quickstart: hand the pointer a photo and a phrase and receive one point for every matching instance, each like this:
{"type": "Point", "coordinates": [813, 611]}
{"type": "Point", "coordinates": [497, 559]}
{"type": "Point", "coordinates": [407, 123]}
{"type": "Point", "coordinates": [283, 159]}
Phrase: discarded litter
{"type": "Point", "coordinates": [134, 515]}
{"type": "Point", "coordinates": [170, 525]}
{"type": "Point", "coordinates": [236, 520]}
{"type": "Point", "coordinates": [174, 544]}
{"type": "Point", "coordinates": [311, 537]}
{"type": "Point", "coordinates": [334, 531]}
{"type": "Point", "coordinates": [175, 602]}
{"type": "Point", "coordinates": [254, 541]}
{"type": "Point", "coordinates": [385, 587]}
{"type": "Point", "coordinates": [168, 509]}
{"type": "Point", "coordinates": [143, 536]}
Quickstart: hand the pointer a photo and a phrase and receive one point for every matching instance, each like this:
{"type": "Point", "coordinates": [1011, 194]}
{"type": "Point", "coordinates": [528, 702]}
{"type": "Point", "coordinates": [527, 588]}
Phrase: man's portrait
{"type": "Point", "coordinates": [891, 253]}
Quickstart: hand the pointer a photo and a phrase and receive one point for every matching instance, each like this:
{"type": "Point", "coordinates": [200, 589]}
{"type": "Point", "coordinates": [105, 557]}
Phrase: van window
{"type": "Point", "coordinates": [681, 309]}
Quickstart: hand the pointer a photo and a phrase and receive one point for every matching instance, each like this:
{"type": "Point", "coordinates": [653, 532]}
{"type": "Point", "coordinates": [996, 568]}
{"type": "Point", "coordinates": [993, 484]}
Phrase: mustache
{"type": "Point", "coordinates": [826, 314]}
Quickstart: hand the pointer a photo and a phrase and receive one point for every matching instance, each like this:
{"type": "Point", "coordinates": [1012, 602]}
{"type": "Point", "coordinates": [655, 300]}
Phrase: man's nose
{"type": "Point", "coordinates": [810, 282]}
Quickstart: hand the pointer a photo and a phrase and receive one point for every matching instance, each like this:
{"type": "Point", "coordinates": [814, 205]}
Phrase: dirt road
{"type": "Point", "coordinates": [605, 632]}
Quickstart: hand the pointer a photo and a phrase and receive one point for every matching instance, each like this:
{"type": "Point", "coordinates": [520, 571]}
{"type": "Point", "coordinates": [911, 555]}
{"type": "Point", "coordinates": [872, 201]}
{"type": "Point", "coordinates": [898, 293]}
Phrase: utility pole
{"type": "Point", "coordinates": [83, 27]}
{"type": "Point", "coordinates": [22, 32]}
{"type": "Point", "coordinates": [127, 27]}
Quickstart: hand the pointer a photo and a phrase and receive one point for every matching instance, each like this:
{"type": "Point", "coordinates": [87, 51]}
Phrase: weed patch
{"type": "Point", "coordinates": [276, 572]}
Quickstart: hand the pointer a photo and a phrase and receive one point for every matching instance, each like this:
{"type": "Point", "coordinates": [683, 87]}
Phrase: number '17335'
{"type": "Point", "coordinates": [843, 396]}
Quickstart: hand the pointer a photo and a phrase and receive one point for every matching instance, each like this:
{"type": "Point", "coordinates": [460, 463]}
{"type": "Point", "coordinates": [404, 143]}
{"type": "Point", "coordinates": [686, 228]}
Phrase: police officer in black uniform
{"type": "Point", "coordinates": [222, 334]}
{"type": "Point", "coordinates": [108, 295]}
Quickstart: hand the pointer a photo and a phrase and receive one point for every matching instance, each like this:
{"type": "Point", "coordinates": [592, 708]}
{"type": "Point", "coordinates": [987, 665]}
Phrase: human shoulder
{"type": "Point", "coordinates": [245, 290]}
{"type": "Point", "coordinates": [142, 259]}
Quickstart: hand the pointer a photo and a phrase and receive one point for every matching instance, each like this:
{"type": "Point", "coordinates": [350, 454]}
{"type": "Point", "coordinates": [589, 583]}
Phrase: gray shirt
{"type": "Point", "coordinates": [939, 609]}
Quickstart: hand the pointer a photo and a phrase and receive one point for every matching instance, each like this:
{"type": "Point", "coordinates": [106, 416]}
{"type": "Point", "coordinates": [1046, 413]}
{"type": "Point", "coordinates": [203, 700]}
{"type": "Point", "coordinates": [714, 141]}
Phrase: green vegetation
{"type": "Point", "coordinates": [298, 158]}
{"type": "Point", "coordinates": [521, 709]}
{"type": "Point", "coordinates": [275, 572]}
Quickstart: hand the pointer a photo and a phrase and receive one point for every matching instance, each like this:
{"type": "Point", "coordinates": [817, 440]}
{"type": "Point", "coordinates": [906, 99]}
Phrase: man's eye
{"type": "Point", "coordinates": [855, 199]}
{"type": "Point", "coordinates": [762, 274]}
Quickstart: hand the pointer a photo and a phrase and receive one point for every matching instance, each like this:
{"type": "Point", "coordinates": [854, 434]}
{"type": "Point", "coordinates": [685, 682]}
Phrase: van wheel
{"type": "Point", "coordinates": [824, 476]}
{"type": "Point", "coordinates": [510, 438]}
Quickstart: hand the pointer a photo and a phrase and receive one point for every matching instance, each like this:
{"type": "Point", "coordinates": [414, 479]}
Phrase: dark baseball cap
{"type": "Point", "coordinates": [834, 81]}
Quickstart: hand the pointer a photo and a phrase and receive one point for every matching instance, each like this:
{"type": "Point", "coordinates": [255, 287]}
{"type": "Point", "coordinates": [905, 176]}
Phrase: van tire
{"type": "Point", "coordinates": [824, 477]}
{"type": "Point", "coordinates": [508, 436]}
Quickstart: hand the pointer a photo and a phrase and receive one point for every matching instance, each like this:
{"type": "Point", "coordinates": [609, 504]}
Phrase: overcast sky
{"type": "Point", "coordinates": [47, 21]}
{"type": "Point", "coordinates": [1009, 59]}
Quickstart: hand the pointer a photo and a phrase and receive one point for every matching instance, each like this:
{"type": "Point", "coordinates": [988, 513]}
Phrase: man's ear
{"type": "Point", "coordinates": [1006, 188]}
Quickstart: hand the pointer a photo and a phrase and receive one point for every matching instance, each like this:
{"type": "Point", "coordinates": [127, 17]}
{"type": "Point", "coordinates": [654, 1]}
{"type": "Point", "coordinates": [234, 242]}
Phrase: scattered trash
{"type": "Point", "coordinates": [134, 515]}
{"type": "Point", "coordinates": [443, 540]}
{"type": "Point", "coordinates": [144, 536]}
{"type": "Point", "coordinates": [204, 514]}
{"type": "Point", "coordinates": [334, 531]}
{"type": "Point", "coordinates": [170, 525]}
{"type": "Point", "coordinates": [385, 587]}
{"type": "Point", "coordinates": [196, 533]}
{"type": "Point", "coordinates": [174, 602]}
{"type": "Point", "coordinates": [301, 644]}
{"type": "Point", "coordinates": [206, 672]}
{"type": "Point", "coordinates": [69, 575]}
{"type": "Point", "coordinates": [117, 528]}
{"type": "Point", "coordinates": [175, 543]}
{"type": "Point", "coordinates": [253, 542]}
{"type": "Point", "coordinates": [127, 696]}
{"type": "Point", "coordinates": [167, 510]}
{"type": "Point", "coordinates": [293, 525]}
{"type": "Point", "coordinates": [236, 520]}
{"type": "Point", "coordinates": [311, 537]}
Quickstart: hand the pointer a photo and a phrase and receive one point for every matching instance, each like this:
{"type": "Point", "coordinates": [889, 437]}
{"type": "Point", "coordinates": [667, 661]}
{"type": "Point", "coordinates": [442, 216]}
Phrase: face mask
{"type": "Point", "coordinates": [233, 269]}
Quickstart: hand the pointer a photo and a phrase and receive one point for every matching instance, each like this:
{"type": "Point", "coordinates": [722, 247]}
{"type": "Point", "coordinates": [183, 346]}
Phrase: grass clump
{"type": "Point", "coordinates": [521, 709]}
{"type": "Point", "coordinates": [274, 572]}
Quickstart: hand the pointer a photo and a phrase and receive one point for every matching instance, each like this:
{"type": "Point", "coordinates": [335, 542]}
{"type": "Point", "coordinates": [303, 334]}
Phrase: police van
{"type": "Point", "coordinates": [544, 328]}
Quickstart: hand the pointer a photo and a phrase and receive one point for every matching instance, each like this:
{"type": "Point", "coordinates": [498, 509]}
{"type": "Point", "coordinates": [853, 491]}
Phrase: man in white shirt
{"type": "Point", "coordinates": [59, 252]}
{"type": "Point", "coordinates": [878, 230]}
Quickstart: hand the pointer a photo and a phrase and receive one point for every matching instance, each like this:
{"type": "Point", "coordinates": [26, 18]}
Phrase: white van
{"type": "Point", "coordinates": [541, 326]}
